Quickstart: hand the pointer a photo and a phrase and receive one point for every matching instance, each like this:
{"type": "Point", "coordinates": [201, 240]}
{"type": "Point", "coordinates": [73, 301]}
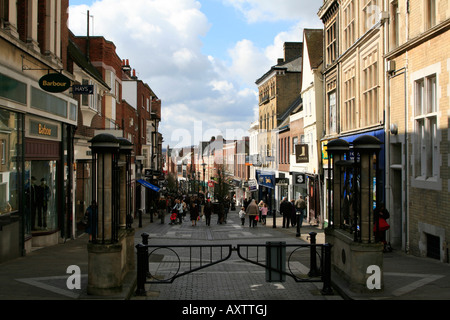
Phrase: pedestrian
{"type": "Point", "coordinates": [242, 215]}
{"type": "Point", "coordinates": [286, 212]}
{"type": "Point", "coordinates": [300, 207]}
{"type": "Point", "coordinates": [381, 214]}
{"type": "Point", "coordinates": [178, 210]}
{"type": "Point", "coordinates": [194, 214]}
{"type": "Point", "coordinates": [293, 213]}
{"type": "Point", "coordinates": [264, 211]}
{"type": "Point", "coordinates": [161, 206]}
{"type": "Point", "coordinates": [185, 208]}
{"type": "Point", "coordinates": [252, 211]}
{"type": "Point", "coordinates": [207, 212]}
{"type": "Point", "coordinates": [92, 217]}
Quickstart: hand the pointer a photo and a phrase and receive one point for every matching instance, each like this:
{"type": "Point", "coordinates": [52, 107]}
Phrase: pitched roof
{"type": "Point", "coordinates": [314, 41]}
{"type": "Point", "coordinates": [80, 59]}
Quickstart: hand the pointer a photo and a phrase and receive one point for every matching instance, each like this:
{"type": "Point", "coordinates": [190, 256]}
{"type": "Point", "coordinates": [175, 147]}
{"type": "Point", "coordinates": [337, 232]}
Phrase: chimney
{"type": "Point", "coordinates": [292, 50]}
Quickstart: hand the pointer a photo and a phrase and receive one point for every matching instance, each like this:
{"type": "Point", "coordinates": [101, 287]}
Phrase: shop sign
{"type": "Point", "coordinates": [282, 181]}
{"type": "Point", "coordinates": [299, 178]}
{"type": "Point", "coordinates": [301, 153]}
{"type": "Point", "coordinates": [54, 82]}
{"type": "Point", "coordinates": [252, 185]}
{"type": "Point", "coordinates": [267, 180]}
{"type": "Point", "coordinates": [83, 89]}
{"type": "Point", "coordinates": [42, 129]}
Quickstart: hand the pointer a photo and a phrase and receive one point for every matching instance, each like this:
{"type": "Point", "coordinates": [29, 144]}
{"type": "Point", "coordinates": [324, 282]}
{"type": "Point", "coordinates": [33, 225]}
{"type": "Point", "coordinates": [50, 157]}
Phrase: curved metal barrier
{"type": "Point", "coordinates": [173, 261]}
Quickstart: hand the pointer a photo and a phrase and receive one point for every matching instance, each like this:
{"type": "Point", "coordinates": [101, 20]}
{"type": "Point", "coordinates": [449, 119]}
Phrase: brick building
{"type": "Point", "coordinates": [417, 116]}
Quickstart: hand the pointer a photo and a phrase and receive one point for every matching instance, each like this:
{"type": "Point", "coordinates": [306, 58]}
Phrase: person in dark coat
{"type": "Point", "coordinates": [92, 219]}
{"type": "Point", "coordinates": [286, 212]}
{"type": "Point", "coordinates": [207, 211]}
{"type": "Point", "coordinates": [194, 213]}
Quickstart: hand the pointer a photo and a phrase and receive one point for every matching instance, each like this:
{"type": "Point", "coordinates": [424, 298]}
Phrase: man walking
{"type": "Point", "coordinates": [286, 211]}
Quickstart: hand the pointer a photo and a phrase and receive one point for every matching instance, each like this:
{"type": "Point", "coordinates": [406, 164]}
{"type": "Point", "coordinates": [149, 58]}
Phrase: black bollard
{"type": "Point", "coordinates": [145, 237]}
{"type": "Point", "coordinates": [326, 275]}
{"type": "Point", "coordinates": [141, 273]}
{"type": "Point", "coordinates": [313, 272]}
{"type": "Point", "coordinates": [298, 224]}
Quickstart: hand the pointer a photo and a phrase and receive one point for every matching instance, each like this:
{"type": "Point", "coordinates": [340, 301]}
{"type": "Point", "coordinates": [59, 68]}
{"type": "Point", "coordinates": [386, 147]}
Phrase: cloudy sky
{"type": "Point", "coordinates": [200, 57]}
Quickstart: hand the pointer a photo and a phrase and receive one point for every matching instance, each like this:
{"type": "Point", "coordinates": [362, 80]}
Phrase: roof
{"type": "Point", "coordinates": [80, 59]}
{"type": "Point", "coordinates": [314, 40]}
{"type": "Point", "coordinates": [289, 66]}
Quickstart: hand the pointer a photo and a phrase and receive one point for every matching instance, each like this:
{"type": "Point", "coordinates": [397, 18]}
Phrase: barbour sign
{"type": "Point", "coordinates": [54, 82]}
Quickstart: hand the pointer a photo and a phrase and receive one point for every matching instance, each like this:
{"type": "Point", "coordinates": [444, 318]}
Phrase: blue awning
{"type": "Point", "coordinates": [148, 185]}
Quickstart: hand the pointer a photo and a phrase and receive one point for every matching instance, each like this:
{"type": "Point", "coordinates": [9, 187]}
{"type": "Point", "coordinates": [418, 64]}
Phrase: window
{"type": "Point", "coordinates": [349, 25]}
{"type": "Point", "coordinates": [430, 11]}
{"type": "Point", "coordinates": [349, 115]}
{"type": "Point", "coordinates": [369, 106]}
{"type": "Point", "coordinates": [10, 166]}
{"type": "Point", "coordinates": [331, 43]}
{"type": "Point", "coordinates": [294, 143]}
{"type": "Point", "coordinates": [395, 24]}
{"type": "Point", "coordinates": [332, 112]}
{"type": "Point", "coordinates": [425, 117]}
{"type": "Point", "coordinates": [370, 11]}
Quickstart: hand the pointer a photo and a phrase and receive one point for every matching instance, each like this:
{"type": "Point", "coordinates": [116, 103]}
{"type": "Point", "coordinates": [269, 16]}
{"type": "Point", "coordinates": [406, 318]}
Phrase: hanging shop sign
{"type": "Point", "coordinates": [266, 180]}
{"type": "Point", "coordinates": [54, 82]}
{"type": "Point", "coordinates": [301, 153]}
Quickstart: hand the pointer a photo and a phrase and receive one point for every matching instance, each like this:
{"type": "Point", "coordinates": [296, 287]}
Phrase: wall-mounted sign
{"type": "Point", "coordinates": [54, 82]}
{"type": "Point", "coordinates": [299, 178]}
{"type": "Point", "coordinates": [301, 153]}
{"type": "Point", "coordinates": [42, 129]}
{"type": "Point", "coordinates": [83, 89]}
{"type": "Point", "coordinates": [282, 181]}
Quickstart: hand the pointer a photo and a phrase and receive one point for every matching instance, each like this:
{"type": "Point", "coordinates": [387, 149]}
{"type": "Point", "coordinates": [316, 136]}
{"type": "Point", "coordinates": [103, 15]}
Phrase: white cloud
{"type": "Point", "coordinates": [269, 10]}
{"type": "Point", "coordinates": [201, 95]}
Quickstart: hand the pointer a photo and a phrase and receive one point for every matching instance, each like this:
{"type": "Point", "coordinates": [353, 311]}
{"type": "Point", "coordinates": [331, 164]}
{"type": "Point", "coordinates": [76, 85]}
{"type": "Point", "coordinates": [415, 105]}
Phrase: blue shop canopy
{"type": "Point", "coordinates": [149, 185]}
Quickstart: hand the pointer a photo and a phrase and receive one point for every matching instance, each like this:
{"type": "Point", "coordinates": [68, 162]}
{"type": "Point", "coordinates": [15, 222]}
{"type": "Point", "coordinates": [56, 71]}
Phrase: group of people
{"type": "Point", "coordinates": [290, 209]}
{"type": "Point", "coordinates": [255, 213]}
{"type": "Point", "coordinates": [196, 207]}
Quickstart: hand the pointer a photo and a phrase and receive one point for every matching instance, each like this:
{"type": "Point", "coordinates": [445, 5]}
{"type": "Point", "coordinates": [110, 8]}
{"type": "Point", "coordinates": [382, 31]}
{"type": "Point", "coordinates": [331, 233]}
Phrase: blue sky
{"type": "Point", "coordinates": [201, 57]}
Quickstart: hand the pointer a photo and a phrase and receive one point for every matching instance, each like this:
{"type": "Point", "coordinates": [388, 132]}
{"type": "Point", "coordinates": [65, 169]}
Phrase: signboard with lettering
{"type": "Point", "coordinates": [54, 82]}
{"type": "Point", "coordinates": [42, 129]}
{"type": "Point", "coordinates": [301, 153]}
{"type": "Point", "coordinates": [83, 89]}
{"type": "Point", "coordinates": [282, 181]}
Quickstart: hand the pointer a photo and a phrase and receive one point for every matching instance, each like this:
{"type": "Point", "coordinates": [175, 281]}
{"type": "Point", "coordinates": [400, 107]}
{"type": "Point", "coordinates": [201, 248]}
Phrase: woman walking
{"type": "Point", "coordinates": [252, 211]}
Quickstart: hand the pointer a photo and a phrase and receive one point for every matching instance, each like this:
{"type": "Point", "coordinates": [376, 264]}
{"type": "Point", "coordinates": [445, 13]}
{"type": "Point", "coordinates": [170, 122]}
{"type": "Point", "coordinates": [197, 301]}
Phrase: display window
{"type": "Point", "coordinates": [41, 195]}
{"type": "Point", "coordinates": [10, 151]}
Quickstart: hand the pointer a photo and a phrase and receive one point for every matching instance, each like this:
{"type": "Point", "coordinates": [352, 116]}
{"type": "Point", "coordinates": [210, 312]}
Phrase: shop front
{"type": "Point", "coordinates": [36, 183]}
{"type": "Point", "coordinates": [48, 180]}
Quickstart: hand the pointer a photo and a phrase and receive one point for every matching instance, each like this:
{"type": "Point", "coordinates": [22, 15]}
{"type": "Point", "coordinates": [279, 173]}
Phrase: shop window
{"type": "Point", "coordinates": [41, 195]}
{"type": "Point", "coordinates": [9, 169]}
{"type": "Point", "coordinates": [12, 89]}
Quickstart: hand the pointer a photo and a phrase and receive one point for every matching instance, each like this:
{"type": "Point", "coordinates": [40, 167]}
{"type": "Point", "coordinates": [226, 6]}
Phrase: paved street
{"type": "Point", "coordinates": [234, 278]}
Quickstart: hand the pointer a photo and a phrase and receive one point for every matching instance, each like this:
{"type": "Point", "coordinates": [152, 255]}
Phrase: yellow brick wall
{"type": "Point", "coordinates": [427, 206]}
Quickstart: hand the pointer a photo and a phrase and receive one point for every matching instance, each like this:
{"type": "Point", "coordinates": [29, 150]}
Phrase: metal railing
{"type": "Point", "coordinates": [170, 262]}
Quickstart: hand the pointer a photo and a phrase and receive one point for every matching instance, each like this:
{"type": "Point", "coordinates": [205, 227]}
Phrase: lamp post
{"type": "Point", "coordinates": [204, 173]}
{"type": "Point", "coordinates": [198, 183]}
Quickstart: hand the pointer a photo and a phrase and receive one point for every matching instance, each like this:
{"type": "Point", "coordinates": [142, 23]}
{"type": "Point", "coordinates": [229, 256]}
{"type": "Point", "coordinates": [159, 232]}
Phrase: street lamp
{"type": "Point", "coordinates": [204, 170]}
